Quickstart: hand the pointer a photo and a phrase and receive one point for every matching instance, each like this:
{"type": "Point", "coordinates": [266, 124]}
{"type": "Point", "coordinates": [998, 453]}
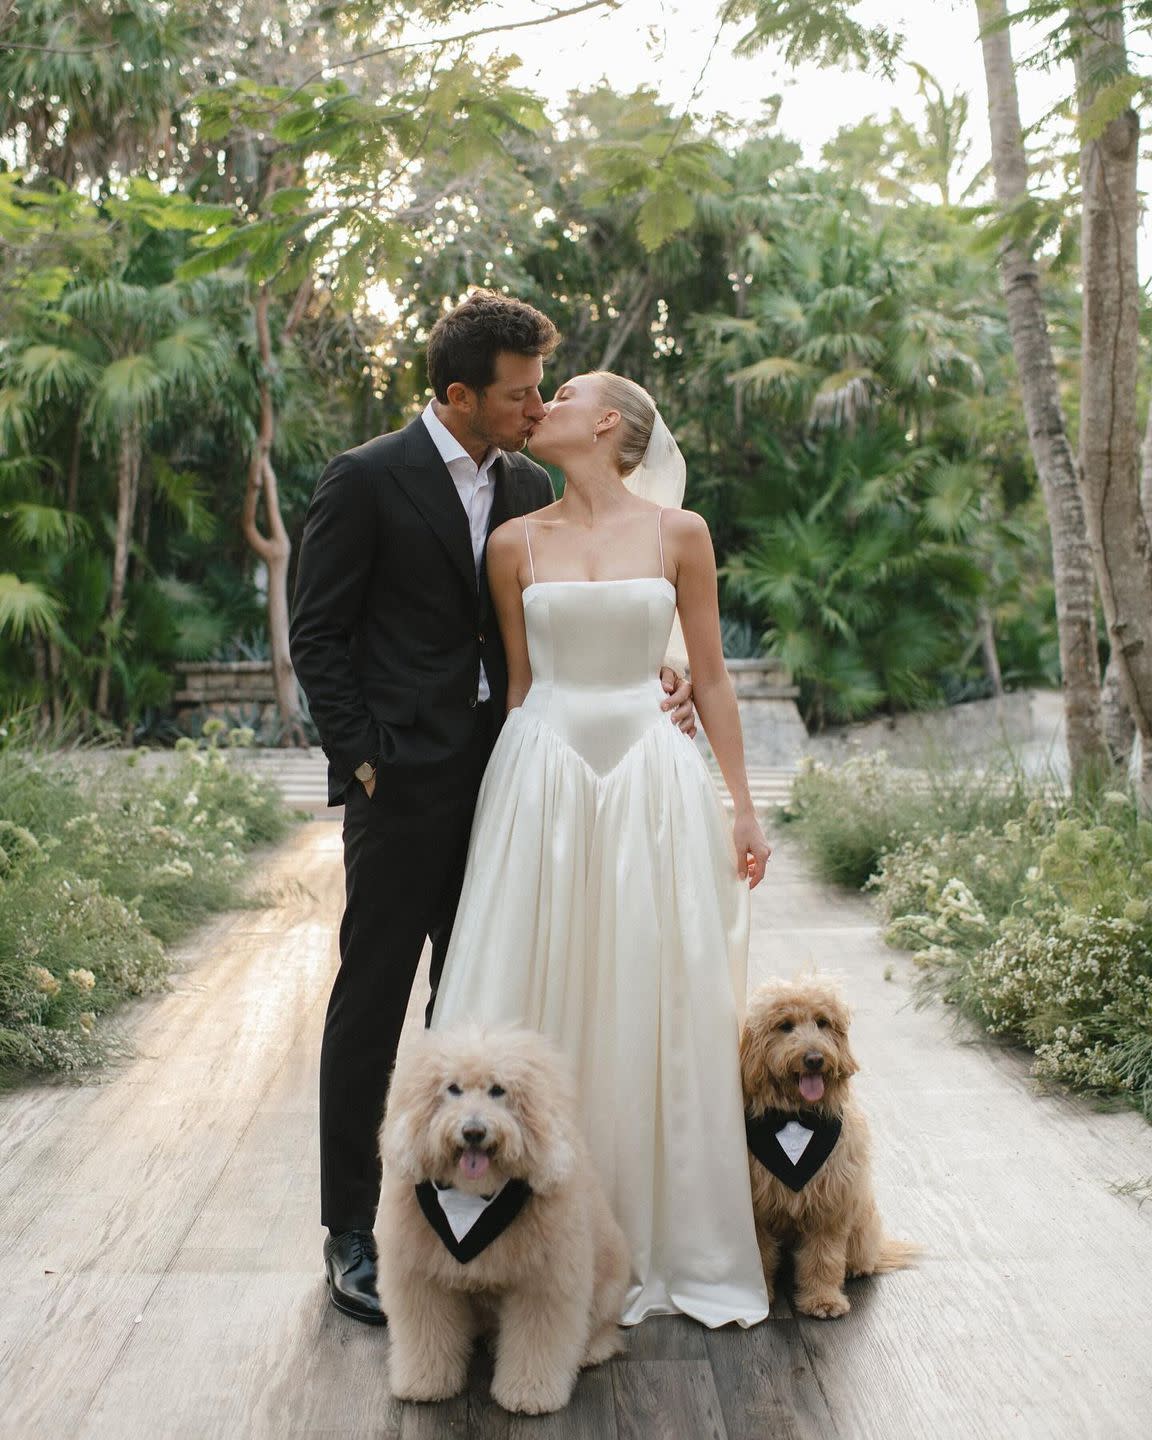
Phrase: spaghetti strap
{"type": "Point", "coordinates": [660, 537]}
{"type": "Point", "coordinates": [528, 542]}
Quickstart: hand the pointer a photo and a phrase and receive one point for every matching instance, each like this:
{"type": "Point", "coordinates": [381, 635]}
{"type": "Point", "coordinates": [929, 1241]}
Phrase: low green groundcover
{"type": "Point", "coordinates": [1027, 908]}
{"type": "Point", "coordinates": [100, 867]}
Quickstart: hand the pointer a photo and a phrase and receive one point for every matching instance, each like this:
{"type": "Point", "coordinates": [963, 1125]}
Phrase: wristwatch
{"type": "Point", "coordinates": [365, 772]}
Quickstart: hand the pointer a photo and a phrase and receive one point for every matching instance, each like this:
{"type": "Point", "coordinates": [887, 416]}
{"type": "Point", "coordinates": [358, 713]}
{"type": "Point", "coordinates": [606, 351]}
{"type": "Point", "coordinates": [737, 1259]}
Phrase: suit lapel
{"type": "Point", "coordinates": [425, 480]}
{"type": "Point", "coordinates": [506, 502]}
{"type": "Point", "coordinates": [505, 494]}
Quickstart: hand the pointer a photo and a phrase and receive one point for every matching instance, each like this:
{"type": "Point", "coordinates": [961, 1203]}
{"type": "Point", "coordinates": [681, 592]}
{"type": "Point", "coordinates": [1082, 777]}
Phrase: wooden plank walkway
{"type": "Point", "coordinates": [160, 1253]}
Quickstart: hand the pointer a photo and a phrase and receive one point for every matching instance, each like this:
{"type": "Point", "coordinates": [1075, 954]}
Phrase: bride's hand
{"type": "Point", "coordinates": [752, 850]}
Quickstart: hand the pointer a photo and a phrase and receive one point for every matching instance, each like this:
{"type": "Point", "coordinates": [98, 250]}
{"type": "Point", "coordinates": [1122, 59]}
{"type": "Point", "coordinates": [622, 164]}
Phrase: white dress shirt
{"type": "Point", "coordinates": [475, 487]}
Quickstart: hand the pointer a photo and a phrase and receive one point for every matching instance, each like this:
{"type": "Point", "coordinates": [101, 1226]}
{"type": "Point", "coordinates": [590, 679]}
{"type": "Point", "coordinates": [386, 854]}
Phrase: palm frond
{"type": "Point", "coordinates": [26, 608]}
{"type": "Point", "coordinates": [54, 372]}
{"type": "Point", "coordinates": [46, 527]}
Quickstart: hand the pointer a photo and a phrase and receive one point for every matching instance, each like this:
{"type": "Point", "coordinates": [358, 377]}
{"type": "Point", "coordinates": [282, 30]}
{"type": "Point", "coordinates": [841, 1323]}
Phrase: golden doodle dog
{"type": "Point", "coordinates": [492, 1214]}
{"type": "Point", "coordinates": [809, 1147]}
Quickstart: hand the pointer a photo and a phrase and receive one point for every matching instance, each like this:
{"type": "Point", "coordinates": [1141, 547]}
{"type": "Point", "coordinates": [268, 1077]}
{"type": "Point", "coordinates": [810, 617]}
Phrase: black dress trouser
{"type": "Point", "coordinates": [404, 854]}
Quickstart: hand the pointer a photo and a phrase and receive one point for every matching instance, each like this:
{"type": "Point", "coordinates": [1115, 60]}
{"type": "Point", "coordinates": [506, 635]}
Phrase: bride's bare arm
{"type": "Point", "coordinates": [698, 603]}
{"type": "Point", "coordinates": [505, 553]}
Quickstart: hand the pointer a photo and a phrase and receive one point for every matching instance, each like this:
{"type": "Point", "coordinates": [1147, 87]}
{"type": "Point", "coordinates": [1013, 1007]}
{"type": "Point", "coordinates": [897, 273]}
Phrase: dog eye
{"type": "Point", "coordinates": [821, 1024]}
{"type": "Point", "coordinates": [787, 1026]}
{"type": "Point", "coordinates": [454, 1089]}
{"type": "Point", "coordinates": [496, 1091]}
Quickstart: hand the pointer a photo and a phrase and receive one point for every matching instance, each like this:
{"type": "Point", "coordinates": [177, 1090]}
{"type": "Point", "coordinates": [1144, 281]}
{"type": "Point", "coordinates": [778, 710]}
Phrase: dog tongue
{"type": "Point", "coordinates": [473, 1163]}
{"type": "Point", "coordinates": [812, 1087]}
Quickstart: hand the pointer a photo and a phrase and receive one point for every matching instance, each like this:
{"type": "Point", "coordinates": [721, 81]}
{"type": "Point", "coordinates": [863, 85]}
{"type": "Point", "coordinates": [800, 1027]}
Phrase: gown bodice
{"type": "Point", "coordinates": [596, 648]}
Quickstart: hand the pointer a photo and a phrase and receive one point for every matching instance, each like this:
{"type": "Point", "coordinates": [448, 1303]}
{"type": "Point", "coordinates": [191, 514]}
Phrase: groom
{"type": "Point", "coordinates": [396, 644]}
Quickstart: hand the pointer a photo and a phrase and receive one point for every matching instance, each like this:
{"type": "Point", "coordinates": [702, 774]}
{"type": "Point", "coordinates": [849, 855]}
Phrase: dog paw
{"type": "Point", "coordinates": [823, 1307]}
{"type": "Point", "coordinates": [532, 1397]}
{"type": "Point", "coordinates": [602, 1347]}
{"type": "Point", "coordinates": [426, 1387]}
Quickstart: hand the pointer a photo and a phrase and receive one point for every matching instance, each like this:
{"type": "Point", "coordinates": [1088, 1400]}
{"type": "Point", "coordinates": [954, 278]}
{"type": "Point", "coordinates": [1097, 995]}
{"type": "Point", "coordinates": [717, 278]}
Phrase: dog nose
{"type": "Point", "coordinates": [474, 1132]}
{"type": "Point", "coordinates": [814, 1060]}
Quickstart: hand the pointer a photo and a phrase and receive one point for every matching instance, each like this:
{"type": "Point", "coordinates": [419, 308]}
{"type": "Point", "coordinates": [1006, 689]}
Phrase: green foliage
{"type": "Point", "coordinates": [99, 868]}
{"type": "Point", "coordinates": [823, 31]}
{"type": "Point", "coordinates": [1025, 908]}
{"type": "Point", "coordinates": [852, 816]}
{"type": "Point", "coordinates": [25, 608]}
{"type": "Point", "coordinates": [834, 364]}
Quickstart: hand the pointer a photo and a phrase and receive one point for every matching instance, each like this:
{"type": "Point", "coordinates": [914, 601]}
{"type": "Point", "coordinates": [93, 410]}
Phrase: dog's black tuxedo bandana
{"type": "Point", "coordinates": [792, 1144]}
{"type": "Point", "coordinates": [472, 1234]}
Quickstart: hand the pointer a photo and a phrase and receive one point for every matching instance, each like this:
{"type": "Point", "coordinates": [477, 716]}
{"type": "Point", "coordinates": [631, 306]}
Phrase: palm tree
{"type": "Point", "coordinates": [118, 354]}
{"type": "Point", "coordinates": [88, 90]}
{"type": "Point", "coordinates": [1047, 429]}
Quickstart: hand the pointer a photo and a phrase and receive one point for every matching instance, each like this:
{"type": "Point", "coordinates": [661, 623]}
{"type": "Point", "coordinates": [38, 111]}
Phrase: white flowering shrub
{"type": "Point", "coordinates": [1075, 990]}
{"type": "Point", "coordinates": [1036, 923]}
{"type": "Point", "coordinates": [852, 815]}
{"type": "Point", "coordinates": [96, 873]}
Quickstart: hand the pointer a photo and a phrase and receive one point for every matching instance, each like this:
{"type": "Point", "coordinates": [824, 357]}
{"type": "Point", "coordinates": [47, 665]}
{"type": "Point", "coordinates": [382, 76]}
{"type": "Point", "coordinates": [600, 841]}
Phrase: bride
{"type": "Point", "coordinates": [605, 897]}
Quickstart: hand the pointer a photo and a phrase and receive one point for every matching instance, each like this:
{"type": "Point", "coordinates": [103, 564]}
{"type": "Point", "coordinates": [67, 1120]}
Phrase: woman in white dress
{"type": "Point", "coordinates": [605, 896]}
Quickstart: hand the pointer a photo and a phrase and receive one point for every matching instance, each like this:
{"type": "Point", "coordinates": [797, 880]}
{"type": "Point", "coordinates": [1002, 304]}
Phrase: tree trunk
{"type": "Point", "coordinates": [275, 548]}
{"type": "Point", "coordinates": [1047, 432]}
{"type": "Point", "coordinates": [738, 390]}
{"type": "Point", "coordinates": [1109, 427]}
{"type": "Point", "coordinates": [1119, 727]}
{"type": "Point", "coordinates": [54, 675]}
{"type": "Point", "coordinates": [127, 486]}
{"type": "Point", "coordinates": [991, 655]}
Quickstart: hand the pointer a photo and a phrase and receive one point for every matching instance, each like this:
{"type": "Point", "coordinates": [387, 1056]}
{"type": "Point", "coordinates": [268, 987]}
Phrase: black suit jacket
{"type": "Point", "coordinates": [389, 624]}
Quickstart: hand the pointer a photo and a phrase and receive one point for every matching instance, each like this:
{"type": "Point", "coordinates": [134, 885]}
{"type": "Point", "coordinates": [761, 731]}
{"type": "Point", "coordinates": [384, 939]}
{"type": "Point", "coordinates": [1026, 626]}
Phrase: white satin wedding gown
{"type": "Point", "coordinates": [601, 905]}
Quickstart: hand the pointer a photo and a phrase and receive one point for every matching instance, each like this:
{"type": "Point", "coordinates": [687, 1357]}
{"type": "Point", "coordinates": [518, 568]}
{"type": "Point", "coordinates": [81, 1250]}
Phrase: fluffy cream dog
{"type": "Point", "coordinates": [491, 1211]}
{"type": "Point", "coordinates": [809, 1147]}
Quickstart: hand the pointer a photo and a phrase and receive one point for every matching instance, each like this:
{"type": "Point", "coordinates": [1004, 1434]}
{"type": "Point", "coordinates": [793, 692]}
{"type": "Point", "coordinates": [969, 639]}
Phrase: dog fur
{"type": "Point", "coordinates": [553, 1283]}
{"type": "Point", "coordinates": [832, 1224]}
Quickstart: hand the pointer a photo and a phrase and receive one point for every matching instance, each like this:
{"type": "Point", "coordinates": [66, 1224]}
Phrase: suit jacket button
{"type": "Point", "coordinates": [472, 703]}
{"type": "Point", "coordinates": [480, 637]}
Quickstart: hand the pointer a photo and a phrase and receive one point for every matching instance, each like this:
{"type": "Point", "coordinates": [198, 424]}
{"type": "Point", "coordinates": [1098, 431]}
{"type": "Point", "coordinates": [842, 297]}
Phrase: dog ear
{"type": "Point", "coordinates": [398, 1148]}
{"type": "Point", "coordinates": [545, 1107]}
{"type": "Point", "coordinates": [555, 1165]}
{"type": "Point", "coordinates": [754, 1040]}
{"type": "Point", "coordinates": [841, 1022]}
{"type": "Point", "coordinates": [413, 1098]}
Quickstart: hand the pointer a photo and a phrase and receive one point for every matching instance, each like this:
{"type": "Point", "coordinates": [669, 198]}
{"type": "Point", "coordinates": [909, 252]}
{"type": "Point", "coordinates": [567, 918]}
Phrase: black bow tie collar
{"type": "Point", "coordinates": [792, 1144]}
{"type": "Point", "coordinates": [499, 1213]}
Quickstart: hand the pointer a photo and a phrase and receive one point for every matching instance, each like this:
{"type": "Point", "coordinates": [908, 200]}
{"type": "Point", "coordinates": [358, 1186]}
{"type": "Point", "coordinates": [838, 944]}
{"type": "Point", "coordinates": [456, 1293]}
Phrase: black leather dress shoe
{"type": "Point", "coordinates": [350, 1260]}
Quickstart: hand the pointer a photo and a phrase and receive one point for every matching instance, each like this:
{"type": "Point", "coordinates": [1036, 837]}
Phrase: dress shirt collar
{"type": "Point", "coordinates": [450, 448]}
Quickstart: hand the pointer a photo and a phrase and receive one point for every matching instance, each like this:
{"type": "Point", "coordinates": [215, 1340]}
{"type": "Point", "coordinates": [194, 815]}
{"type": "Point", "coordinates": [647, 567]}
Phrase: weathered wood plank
{"type": "Point", "coordinates": [666, 1400]}
{"type": "Point", "coordinates": [258, 1355]}
{"type": "Point", "coordinates": [590, 1414]}
{"type": "Point", "coordinates": [766, 1384]}
{"type": "Point", "coordinates": [664, 1337]}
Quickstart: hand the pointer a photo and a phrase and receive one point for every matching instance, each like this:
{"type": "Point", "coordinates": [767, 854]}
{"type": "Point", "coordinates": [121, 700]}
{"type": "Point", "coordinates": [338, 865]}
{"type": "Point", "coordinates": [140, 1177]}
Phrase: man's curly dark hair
{"type": "Point", "coordinates": [464, 343]}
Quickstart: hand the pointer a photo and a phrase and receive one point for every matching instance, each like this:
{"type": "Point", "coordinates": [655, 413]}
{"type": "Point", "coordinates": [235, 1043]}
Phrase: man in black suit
{"type": "Point", "coordinates": [398, 650]}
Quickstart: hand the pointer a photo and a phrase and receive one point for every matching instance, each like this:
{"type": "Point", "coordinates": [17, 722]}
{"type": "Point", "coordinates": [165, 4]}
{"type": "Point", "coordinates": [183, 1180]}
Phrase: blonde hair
{"type": "Point", "coordinates": [637, 417]}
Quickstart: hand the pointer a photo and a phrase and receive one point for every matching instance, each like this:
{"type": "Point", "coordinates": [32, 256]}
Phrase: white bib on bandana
{"type": "Point", "coordinates": [462, 1210]}
{"type": "Point", "coordinates": [794, 1140]}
